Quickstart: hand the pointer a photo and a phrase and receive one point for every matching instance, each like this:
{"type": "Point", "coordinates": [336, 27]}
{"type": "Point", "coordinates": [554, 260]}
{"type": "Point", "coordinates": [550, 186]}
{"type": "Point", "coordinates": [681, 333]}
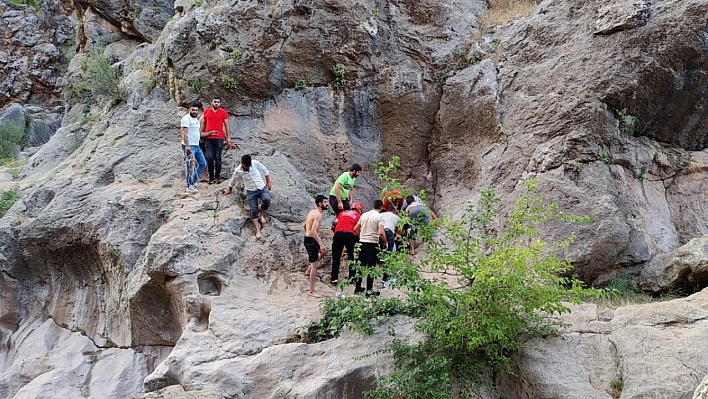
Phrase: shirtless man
{"type": "Point", "coordinates": [313, 243]}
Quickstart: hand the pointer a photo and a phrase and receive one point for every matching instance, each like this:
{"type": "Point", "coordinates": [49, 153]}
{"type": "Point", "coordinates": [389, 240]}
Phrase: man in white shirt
{"type": "Point", "coordinates": [256, 183]}
{"type": "Point", "coordinates": [370, 229]}
{"type": "Point", "coordinates": [190, 145]}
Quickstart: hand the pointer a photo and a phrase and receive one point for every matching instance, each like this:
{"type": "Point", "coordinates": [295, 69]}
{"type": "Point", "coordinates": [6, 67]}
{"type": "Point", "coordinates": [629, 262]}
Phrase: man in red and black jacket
{"type": "Point", "coordinates": [344, 237]}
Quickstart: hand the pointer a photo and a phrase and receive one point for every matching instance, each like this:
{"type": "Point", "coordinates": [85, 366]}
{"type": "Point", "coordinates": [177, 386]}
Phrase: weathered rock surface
{"type": "Point", "coordinates": [685, 268]}
{"type": "Point", "coordinates": [36, 47]}
{"type": "Point", "coordinates": [552, 108]}
{"type": "Point", "coordinates": [106, 261]}
{"type": "Point", "coordinates": [649, 350]}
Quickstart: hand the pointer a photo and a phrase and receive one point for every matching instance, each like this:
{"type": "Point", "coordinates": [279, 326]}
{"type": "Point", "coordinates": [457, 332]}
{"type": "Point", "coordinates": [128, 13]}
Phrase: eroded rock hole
{"type": "Point", "coordinates": [153, 317]}
{"type": "Point", "coordinates": [209, 284]}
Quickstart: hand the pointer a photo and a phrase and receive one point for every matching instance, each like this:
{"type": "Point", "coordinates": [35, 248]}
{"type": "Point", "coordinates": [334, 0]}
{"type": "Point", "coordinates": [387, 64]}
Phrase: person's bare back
{"type": "Point", "coordinates": [313, 243]}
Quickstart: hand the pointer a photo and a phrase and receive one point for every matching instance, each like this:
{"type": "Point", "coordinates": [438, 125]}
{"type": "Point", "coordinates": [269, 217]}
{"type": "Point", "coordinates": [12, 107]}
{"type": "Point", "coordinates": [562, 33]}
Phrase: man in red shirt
{"type": "Point", "coordinates": [344, 237]}
{"type": "Point", "coordinates": [392, 198]}
{"type": "Point", "coordinates": [215, 125]}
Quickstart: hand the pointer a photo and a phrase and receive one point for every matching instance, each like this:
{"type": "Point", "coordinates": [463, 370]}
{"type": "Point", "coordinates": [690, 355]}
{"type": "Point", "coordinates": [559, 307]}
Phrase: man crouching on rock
{"type": "Point", "coordinates": [313, 243]}
{"type": "Point", "coordinates": [253, 174]}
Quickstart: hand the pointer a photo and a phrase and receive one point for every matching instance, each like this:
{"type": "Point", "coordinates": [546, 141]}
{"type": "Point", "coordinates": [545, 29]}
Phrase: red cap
{"type": "Point", "coordinates": [358, 206]}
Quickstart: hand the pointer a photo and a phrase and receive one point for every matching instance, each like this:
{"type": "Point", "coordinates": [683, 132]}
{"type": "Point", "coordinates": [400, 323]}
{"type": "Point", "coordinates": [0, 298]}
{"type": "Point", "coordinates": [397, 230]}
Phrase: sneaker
{"type": "Point", "coordinates": [192, 189]}
{"type": "Point", "coordinates": [388, 282]}
{"type": "Point", "coordinates": [372, 293]}
{"type": "Point", "coordinates": [219, 181]}
{"type": "Point", "coordinates": [359, 290]}
{"type": "Point", "coordinates": [334, 282]}
{"type": "Point", "coordinates": [340, 294]}
{"type": "Point", "coordinates": [212, 181]}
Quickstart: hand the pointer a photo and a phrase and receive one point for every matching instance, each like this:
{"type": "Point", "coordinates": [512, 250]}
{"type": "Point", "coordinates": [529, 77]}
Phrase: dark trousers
{"type": "Point", "coordinates": [213, 156]}
{"type": "Point", "coordinates": [341, 240]}
{"type": "Point", "coordinates": [368, 256]}
{"type": "Point", "coordinates": [335, 206]}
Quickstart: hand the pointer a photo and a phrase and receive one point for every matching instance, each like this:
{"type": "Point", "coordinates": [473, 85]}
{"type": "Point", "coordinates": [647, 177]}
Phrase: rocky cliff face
{"type": "Point", "coordinates": [116, 283]}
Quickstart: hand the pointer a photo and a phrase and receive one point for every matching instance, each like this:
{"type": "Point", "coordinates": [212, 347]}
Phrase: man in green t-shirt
{"type": "Point", "coordinates": [342, 193]}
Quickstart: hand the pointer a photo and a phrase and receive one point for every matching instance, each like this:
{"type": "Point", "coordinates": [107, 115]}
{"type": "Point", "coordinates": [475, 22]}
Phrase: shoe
{"type": "Point", "coordinates": [359, 290]}
{"type": "Point", "coordinates": [192, 189]}
{"type": "Point", "coordinates": [219, 181]}
{"type": "Point", "coordinates": [334, 282]}
{"type": "Point", "coordinates": [212, 181]}
{"type": "Point", "coordinates": [372, 293]}
{"type": "Point", "coordinates": [340, 294]}
{"type": "Point", "coordinates": [388, 282]}
{"type": "Point", "coordinates": [197, 185]}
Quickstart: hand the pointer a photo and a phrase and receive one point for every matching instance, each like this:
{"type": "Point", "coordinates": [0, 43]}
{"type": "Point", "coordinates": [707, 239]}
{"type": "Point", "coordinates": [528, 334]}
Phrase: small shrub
{"type": "Point", "coordinates": [194, 84]}
{"type": "Point", "coordinates": [339, 71]}
{"type": "Point", "coordinates": [617, 385]}
{"type": "Point", "coordinates": [627, 123]}
{"type": "Point", "coordinates": [12, 137]}
{"type": "Point", "coordinates": [229, 82]}
{"type": "Point", "coordinates": [655, 157]}
{"type": "Point", "coordinates": [300, 84]}
{"type": "Point", "coordinates": [236, 53]}
{"type": "Point", "coordinates": [7, 199]}
{"type": "Point", "coordinates": [642, 177]}
{"type": "Point", "coordinates": [99, 78]}
{"type": "Point", "coordinates": [605, 157]}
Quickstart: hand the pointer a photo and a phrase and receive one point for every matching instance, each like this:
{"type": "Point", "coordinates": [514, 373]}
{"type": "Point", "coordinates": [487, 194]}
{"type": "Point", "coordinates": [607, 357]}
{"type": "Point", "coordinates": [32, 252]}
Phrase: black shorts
{"type": "Point", "coordinates": [313, 249]}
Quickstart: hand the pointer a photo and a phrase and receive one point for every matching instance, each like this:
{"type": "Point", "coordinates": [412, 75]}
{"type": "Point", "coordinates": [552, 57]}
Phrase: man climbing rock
{"type": "Point", "coordinates": [342, 193]}
{"type": "Point", "coordinates": [256, 183]}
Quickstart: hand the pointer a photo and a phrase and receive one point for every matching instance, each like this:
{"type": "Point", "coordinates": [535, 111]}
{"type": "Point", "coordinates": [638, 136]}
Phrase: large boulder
{"type": "Point", "coordinates": [638, 351]}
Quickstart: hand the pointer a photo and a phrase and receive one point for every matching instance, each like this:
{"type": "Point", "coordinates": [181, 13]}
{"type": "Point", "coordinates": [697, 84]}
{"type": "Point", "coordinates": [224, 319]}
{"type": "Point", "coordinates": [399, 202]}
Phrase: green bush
{"type": "Point", "coordinates": [627, 123]}
{"type": "Point", "coordinates": [229, 82]}
{"type": "Point", "coordinates": [12, 136]}
{"type": "Point", "coordinates": [7, 199]}
{"type": "Point", "coordinates": [339, 71]}
{"type": "Point", "coordinates": [300, 84]}
{"type": "Point", "coordinates": [483, 287]}
{"type": "Point", "coordinates": [99, 78]}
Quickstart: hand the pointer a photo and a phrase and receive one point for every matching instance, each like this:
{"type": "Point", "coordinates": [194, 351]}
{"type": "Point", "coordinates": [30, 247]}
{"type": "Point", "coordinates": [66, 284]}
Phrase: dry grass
{"type": "Point", "coordinates": [501, 11]}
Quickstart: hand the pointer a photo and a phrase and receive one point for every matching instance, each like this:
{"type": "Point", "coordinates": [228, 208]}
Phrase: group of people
{"type": "Point", "coordinates": [209, 134]}
{"type": "Point", "coordinates": [378, 229]}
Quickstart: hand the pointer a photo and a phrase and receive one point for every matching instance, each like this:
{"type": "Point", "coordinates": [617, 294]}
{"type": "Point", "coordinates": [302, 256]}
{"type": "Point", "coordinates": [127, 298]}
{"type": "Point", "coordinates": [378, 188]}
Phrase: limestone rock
{"type": "Point", "coordinates": [685, 268]}
{"type": "Point", "coordinates": [622, 16]}
{"type": "Point", "coordinates": [649, 349]}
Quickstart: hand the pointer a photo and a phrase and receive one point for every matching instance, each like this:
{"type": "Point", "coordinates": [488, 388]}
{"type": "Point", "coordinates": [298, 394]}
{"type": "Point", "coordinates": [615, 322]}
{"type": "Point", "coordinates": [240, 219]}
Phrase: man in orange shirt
{"type": "Point", "coordinates": [215, 122]}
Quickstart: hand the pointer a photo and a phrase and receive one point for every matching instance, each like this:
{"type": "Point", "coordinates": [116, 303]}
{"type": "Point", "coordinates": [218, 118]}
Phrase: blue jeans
{"type": "Point", "coordinates": [213, 154]}
{"type": "Point", "coordinates": [253, 195]}
{"type": "Point", "coordinates": [199, 157]}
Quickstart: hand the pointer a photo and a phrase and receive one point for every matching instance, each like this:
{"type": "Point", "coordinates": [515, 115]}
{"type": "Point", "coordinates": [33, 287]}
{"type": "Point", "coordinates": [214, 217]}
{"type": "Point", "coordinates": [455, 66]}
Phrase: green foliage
{"type": "Point", "coordinates": [483, 284]}
{"type": "Point", "coordinates": [30, 3]}
{"type": "Point", "coordinates": [229, 82]}
{"type": "Point", "coordinates": [194, 84]}
{"type": "Point", "coordinates": [384, 172]}
{"type": "Point", "coordinates": [453, 63]}
{"type": "Point", "coordinates": [363, 315]}
{"type": "Point", "coordinates": [642, 177]}
{"type": "Point", "coordinates": [236, 53]}
{"type": "Point", "coordinates": [605, 157]}
{"type": "Point", "coordinates": [617, 385]}
{"type": "Point", "coordinates": [339, 71]}
{"type": "Point", "coordinates": [627, 123]}
{"type": "Point", "coordinates": [622, 291]}
{"type": "Point", "coordinates": [99, 79]}
{"type": "Point", "coordinates": [12, 136]}
{"type": "Point", "coordinates": [300, 84]}
{"type": "Point", "coordinates": [7, 199]}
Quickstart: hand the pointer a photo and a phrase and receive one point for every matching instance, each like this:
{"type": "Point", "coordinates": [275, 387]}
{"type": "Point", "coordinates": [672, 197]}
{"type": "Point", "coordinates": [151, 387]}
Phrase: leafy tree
{"type": "Point", "coordinates": [484, 286]}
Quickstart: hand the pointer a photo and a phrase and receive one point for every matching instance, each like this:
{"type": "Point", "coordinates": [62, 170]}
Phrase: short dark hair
{"type": "Point", "coordinates": [355, 168]}
{"type": "Point", "coordinates": [195, 104]}
{"type": "Point", "coordinates": [378, 204]}
{"type": "Point", "coordinates": [410, 199]}
{"type": "Point", "coordinates": [216, 98]}
{"type": "Point", "coordinates": [319, 199]}
{"type": "Point", "coordinates": [246, 160]}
